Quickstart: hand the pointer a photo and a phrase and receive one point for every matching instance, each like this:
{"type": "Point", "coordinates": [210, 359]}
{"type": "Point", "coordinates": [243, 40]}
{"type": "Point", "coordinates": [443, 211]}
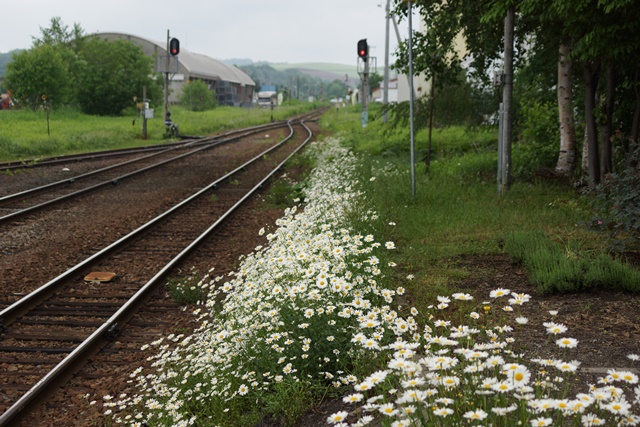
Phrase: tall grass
{"type": "Point", "coordinates": [25, 134]}
{"type": "Point", "coordinates": [319, 311]}
{"type": "Point", "coordinates": [456, 210]}
{"type": "Point", "coordinates": [569, 268]}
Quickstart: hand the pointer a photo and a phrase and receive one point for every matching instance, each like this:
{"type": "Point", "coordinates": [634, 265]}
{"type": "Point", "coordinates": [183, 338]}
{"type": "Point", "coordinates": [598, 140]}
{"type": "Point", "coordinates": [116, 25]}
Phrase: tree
{"type": "Point", "coordinates": [59, 34]}
{"type": "Point", "coordinates": [603, 38]}
{"type": "Point", "coordinates": [113, 73]}
{"type": "Point", "coordinates": [40, 71]}
{"type": "Point", "coordinates": [336, 89]}
{"type": "Point", "coordinates": [197, 96]}
{"type": "Point", "coordinates": [374, 80]}
{"type": "Point", "coordinates": [49, 68]}
{"type": "Point", "coordinates": [597, 36]}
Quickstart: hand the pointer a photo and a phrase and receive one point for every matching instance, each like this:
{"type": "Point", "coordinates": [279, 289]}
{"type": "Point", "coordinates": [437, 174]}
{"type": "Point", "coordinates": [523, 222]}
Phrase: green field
{"type": "Point", "coordinates": [26, 135]}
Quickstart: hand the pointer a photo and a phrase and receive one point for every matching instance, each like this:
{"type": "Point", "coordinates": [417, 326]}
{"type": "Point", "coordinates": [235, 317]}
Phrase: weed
{"type": "Point", "coordinates": [557, 268]}
{"type": "Point", "coordinates": [187, 290]}
{"type": "Point", "coordinates": [288, 401]}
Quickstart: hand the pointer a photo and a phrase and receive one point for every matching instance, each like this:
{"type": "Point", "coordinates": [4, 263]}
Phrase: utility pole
{"type": "Point", "coordinates": [363, 53]}
{"type": "Point", "coordinates": [365, 93]}
{"type": "Point", "coordinates": [507, 99]}
{"type": "Point", "coordinates": [385, 93]}
{"type": "Point", "coordinates": [411, 101]}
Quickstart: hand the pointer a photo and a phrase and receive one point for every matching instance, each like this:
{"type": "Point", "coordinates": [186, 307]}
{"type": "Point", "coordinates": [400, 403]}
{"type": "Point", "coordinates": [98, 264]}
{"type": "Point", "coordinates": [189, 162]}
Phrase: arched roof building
{"type": "Point", "coordinates": [232, 85]}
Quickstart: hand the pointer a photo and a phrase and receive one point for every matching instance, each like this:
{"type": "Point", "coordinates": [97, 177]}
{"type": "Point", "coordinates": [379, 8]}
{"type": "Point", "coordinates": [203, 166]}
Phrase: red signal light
{"type": "Point", "coordinates": [174, 47]}
{"type": "Point", "coordinates": [363, 49]}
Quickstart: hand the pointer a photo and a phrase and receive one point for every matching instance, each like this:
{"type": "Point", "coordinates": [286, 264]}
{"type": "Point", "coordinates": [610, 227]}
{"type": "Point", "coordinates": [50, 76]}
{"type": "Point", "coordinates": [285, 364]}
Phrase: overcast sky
{"type": "Point", "coordinates": [262, 30]}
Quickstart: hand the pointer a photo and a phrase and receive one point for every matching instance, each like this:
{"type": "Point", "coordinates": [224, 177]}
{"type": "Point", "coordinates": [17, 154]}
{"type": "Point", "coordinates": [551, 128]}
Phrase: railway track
{"type": "Point", "coordinates": [17, 165]}
{"type": "Point", "coordinates": [49, 334]}
{"type": "Point", "coordinates": [27, 201]}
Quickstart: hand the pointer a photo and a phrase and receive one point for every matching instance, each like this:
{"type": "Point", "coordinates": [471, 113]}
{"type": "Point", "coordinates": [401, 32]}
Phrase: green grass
{"type": "Point", "coordinates": [555, 267]}
{"type": "Point", "coordinates": [460, 214]}
{"type": "Point", "coordinates": [456, 210]}
{"type": "Point", "coordinates": [387, 140]}
{"type": "Point", "coordinates": [24, 134]}
{"type": "Point", "coordinates": [187, 289]}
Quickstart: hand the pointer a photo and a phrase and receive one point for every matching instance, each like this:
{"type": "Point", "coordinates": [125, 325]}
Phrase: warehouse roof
{"type": "Point", "coordinates": [198, 65]}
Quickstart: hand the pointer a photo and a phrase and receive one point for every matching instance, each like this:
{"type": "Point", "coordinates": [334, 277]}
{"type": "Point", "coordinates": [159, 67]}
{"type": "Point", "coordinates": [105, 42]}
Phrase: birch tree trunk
{"type": "Point", "coordinates": [567, 156]}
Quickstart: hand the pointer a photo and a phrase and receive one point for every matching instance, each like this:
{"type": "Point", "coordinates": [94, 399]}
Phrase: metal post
{"type": "Point", "coordinates": [500, 120]}
{"type": "Point", "coordinates": [365, 92]}
{"type": "Point", "coordinates": [144, 112]}
{"type": "Point", "coordinates": [385, 93]}
{"type": "Point", "coordinates": [411, 99]}
{"type": "Point", "coordinates": [166, 82]}
{"type": "Point", "coordinates": [507, 97]}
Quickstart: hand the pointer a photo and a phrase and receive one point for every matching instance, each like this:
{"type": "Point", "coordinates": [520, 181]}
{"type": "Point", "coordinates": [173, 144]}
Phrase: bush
{"type": "Point", "coordinates": [538, 144]}
{"type": "Point", "coordinates": [197, 96]}
{"type": "Point", "coordinates": [617, 202]}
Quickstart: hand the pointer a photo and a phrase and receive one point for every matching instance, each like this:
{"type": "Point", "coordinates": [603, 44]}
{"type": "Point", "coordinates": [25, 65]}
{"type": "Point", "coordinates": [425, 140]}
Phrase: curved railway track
{"type": "Point", "coordinates": [49, 334]}
{"type": "Point", "coordinates": [25, 202]}
{"type": "Point", "coordinates": [17, 165]}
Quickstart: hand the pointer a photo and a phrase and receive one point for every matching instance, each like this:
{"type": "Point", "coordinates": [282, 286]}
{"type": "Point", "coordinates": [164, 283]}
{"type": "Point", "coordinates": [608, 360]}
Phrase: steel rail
{"type": "Point", "coordinates": [33, 163]}
{"type": "Point", "coordinates": [8, 314]}
{"type": "Point", "coordinates": [99, 337]}
{"type": "Point", "coordinates": [205, 146]}
{"type": "Point", "coordinates": [239, 133]}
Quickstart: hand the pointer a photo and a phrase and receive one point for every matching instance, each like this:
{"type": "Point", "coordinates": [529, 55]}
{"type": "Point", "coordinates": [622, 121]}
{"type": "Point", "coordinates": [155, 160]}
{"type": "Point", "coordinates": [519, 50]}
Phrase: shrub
{"type": "Point", "coordinates": [197, 96]}
{"type": "Point", "coordinates": [617, 202]}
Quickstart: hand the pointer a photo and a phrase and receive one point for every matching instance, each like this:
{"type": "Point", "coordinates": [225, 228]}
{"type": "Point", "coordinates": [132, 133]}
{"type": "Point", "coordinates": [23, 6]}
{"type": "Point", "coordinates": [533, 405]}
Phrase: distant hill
{"type": "Point", "coordinates": [298, 82]}
{"type": "Point", "coordinates": [237, 61]}
{"type": "Point", "coordinates": [325, 71]}
{"type": "Point", "coordinates": [5, 58]}
{"type": "Point", "coordinates": [322, 70]}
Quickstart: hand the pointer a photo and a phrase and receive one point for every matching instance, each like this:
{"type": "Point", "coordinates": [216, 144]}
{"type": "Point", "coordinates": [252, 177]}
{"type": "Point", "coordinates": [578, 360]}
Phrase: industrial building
{"type": "Point", "coordinates": [232, 85]}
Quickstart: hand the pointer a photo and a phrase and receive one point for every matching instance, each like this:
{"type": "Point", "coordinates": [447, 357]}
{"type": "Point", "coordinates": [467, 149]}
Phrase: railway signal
{"type": "Point", "coordinates": [363, 49]}
{"type": "Point", "coordinates": [174, 46]}
{"type": "Point", "coordinates": [363, 53]}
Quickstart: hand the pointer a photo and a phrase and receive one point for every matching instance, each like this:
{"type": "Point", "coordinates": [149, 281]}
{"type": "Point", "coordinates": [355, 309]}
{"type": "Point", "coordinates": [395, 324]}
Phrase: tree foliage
{"type": "Point", "coordinates": [196, 96]}
{"type": "Point", "coordinates": [38, 73]}
{"type": "Point", "coordinates": [70, 68]}
{"type": "Point", "coordinates": [293, 83]}
{"type": "Point", "coordinates": [59, 34]}
{"type": "Point", "coordinates": [603, 44]}
{"type": "Point", "coordinates": [113, 73]}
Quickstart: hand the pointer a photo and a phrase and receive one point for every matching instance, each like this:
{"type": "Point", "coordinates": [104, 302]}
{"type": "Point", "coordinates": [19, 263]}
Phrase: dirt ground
{"type": "Point", "coordinates": [606, 324]}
